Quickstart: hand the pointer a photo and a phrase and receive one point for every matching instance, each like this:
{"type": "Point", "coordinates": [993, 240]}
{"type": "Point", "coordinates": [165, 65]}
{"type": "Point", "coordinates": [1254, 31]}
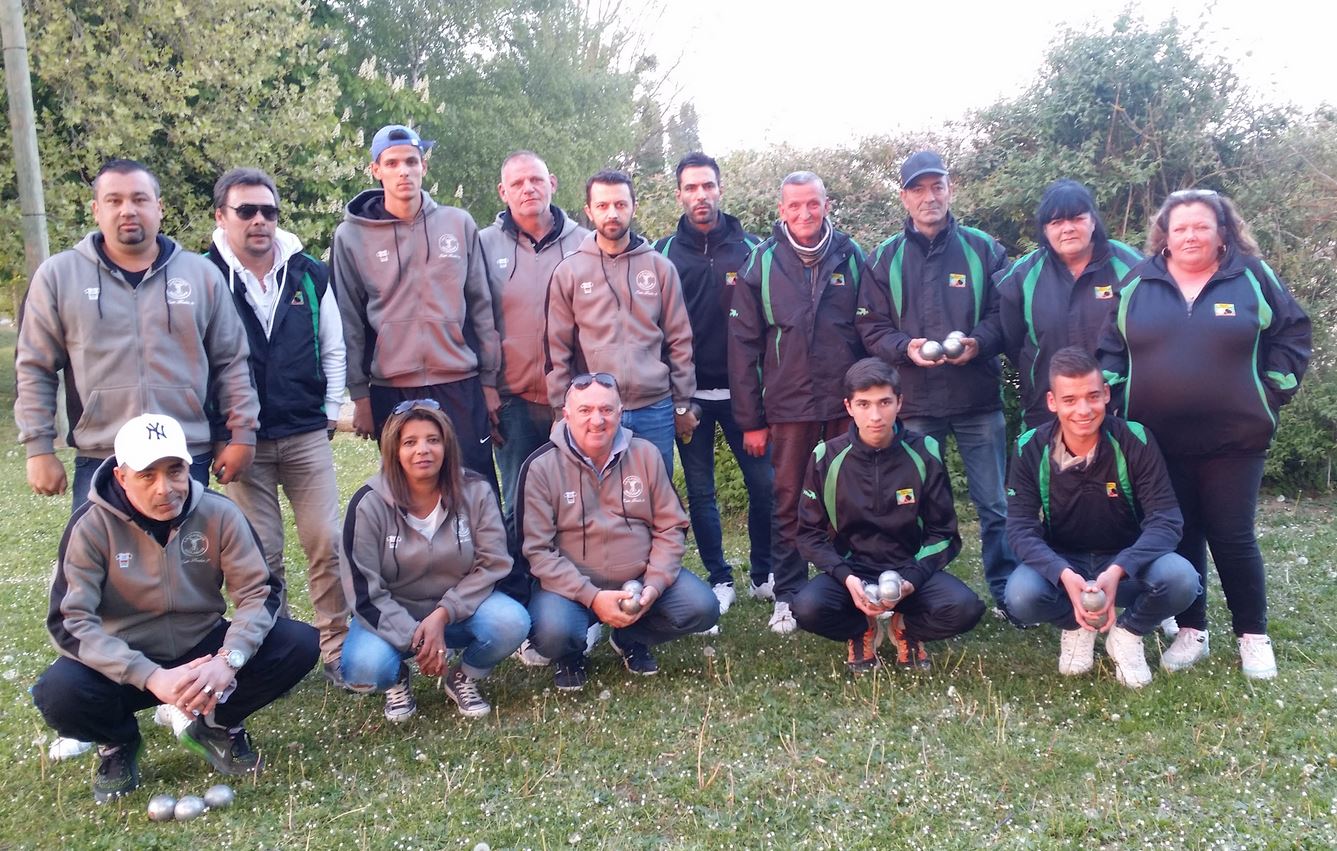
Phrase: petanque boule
{"type": "Point", "coordinates": [952, 347]}
{"type": "Point", "coordinates": [956, 335]}
{"type": "Point", "coordinates": [631, 605]}
{"type": "Point", "coordinates": [189, 807]}
{"type": "Point", "coordinates": [1093, 600]}
{"type": "Point", "coordinates": [889, 587]}
{"type": "Point", "coordinates": [870, 590]}
{"type": "Point", "coordinates": [162, 808]}
{"type": "Point", "coordinates": [219, 797]}
{"type": "Point", "coordinates": [931, 350]}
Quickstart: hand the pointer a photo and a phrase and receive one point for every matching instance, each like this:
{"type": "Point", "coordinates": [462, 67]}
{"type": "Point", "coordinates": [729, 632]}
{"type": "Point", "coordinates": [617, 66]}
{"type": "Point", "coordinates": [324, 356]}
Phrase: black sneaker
{"type": "Point", "coordinates": [637, 657]}
{"type": "Point", "coordinates": [570, 674]}
{"type": "Point", "coordinates": [117, 771]}
{"type": "Point", "coordinates": [228, 752]}
{"type": "Point", "coordinates": [463, 689]}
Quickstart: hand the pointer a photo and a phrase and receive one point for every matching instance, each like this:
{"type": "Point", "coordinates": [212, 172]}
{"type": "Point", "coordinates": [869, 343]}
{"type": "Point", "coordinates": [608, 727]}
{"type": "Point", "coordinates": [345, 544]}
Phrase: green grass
{"type": "Point", "coordinates": [746, 740]}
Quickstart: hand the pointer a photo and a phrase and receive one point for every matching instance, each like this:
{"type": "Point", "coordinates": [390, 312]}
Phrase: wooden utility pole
{"type": "Point", "coordinates": [23, 124]}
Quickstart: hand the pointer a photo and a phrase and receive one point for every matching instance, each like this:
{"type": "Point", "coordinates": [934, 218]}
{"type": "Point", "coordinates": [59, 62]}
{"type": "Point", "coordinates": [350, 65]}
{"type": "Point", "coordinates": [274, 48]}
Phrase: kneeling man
{"type": "Point", "coordinates": [598, 510]}
{"type": "Point", "coordinates": [1090, 507]}
{"type": "Point", "coordinates": [137, 614]}
{"type": "Point", "coordinates": [878, 498]}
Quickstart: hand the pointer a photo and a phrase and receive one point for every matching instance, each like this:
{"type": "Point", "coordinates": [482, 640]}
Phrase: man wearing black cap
{"type": "Point", "coordinates": [417, 311]}
{"type": "Point", "coordinates": [934, 278]}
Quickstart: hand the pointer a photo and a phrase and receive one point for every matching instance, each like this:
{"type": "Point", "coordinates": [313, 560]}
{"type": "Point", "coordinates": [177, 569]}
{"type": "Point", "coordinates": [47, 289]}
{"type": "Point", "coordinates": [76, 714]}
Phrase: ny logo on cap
{"type": "Point", "coordinates": [155, 431]}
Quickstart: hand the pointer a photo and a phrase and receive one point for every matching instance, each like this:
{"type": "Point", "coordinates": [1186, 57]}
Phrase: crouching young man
{"type": "Point", "coordinates": [599, 510]}
{"type": "Point", "coordinates": [137, 614]}
{"type": "Point", "coordinates": [1090, 507]}
{"type": "Point", "coordinates": [878, 498]}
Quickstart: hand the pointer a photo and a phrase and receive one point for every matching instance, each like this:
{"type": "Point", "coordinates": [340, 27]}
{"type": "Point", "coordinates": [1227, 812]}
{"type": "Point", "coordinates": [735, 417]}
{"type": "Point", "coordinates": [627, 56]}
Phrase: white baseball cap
{"type": "Point", "coordinates": [148, 438]}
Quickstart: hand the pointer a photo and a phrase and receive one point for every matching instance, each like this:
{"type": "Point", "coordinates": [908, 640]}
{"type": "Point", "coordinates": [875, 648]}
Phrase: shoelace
{"type": "Point", "coordinates": [467, 690]}
{"type": "Point", "coordinates": [398, 696]}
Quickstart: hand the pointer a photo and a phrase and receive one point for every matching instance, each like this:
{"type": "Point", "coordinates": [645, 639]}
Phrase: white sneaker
{"type": "Point", "coordinates": [1077, 651]}
{"type": "Point", "coordinates": [764, 591]}
{"type": "Point", "coordinates": [529, 657]}
{"type": "Point", "coordinates": [725, 594]}
{"type": "Point", "coordinates": [1130, 660]}
{"type": "Point", "coordinates": [1189, 646]}
{"type": "Point", "coordinates": [66, 748]}
{"type": "Point", "coordinates": [782, 620]}
{"type": "Point", "coordinates": [168, 715]}
{"type": "Point", "coordinates": [593, 636]}
{"type": "Point", "coordinates": [1170, 627]}
{"type": "Point", "coordinates": [1256, 656]}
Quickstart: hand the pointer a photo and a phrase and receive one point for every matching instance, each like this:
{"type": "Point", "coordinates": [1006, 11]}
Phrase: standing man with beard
{"type": "Point", "coordinates": [708, 250]}
{"type": "Point", "coordinates": [296, 339]}
{"type": "Point", "coordinates": [416, 308]}
{"type": "Point", "coordinates": [615, 306]}
{"type": "Point", "coordinates": [792, 339]}
{"type": "Point", "coordinates": [522, 247]}
{"type": "Point", "coordinates": [136, 323]}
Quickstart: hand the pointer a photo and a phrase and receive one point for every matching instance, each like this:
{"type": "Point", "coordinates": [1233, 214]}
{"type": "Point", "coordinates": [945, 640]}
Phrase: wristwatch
{"type": "Point", "coordinates": [234, 658]}
{"type": "Point", "coordinates": [681, 410]}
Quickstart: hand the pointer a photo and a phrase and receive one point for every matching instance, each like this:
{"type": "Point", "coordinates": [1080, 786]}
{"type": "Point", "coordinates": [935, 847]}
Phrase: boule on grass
{"type": "Point", "coordinates": [162, 808]}
{"type": "Point", "coordinates": [219, 797]}
{"type": "Point", "coordinates": [189, 807]}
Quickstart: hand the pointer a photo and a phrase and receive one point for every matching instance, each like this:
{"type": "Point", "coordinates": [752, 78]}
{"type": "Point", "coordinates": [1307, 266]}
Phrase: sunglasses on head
{"type": "Point", "coordinates": [409, 404]}
{"type": "Point", "coordinates": [246, 212]}
{"type": "Point", "coordinates": [603, 379]}
{"type": "Point", "coordinates": [1194, 193]}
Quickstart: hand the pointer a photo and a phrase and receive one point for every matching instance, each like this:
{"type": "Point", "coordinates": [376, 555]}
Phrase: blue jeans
{"type": "Point", "coordinates": [655, 424]}
{"type": "Point", "coordinates": [84, 468]}
{"type": "Point", "coordinates": [1166, 588]}
{"type": "Point", "coordinates": [688, 606]}
{"type": "Point", "coordinates": [982, 442]}
{"type": "Point", "coordinates": [698, 468]}
{"type": "Point", "coordinates": [490, 634]}
{"type": "Point", "coordinates": [524, 427]}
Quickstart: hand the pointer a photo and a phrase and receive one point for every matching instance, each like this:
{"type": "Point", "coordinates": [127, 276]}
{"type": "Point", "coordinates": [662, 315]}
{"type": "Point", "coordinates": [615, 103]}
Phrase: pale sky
{"type": "Point", "coordinates": [762, 72]}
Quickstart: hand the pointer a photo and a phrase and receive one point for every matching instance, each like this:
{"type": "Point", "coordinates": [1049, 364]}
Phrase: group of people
{"type": "Point", "coordinates": [578, 360]}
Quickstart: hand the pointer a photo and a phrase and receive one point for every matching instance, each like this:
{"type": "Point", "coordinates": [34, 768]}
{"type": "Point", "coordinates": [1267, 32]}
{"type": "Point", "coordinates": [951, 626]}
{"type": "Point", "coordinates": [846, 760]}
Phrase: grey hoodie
{"type": "Point", "coordinates": [622, 315]}
{"type": "Point", "coordinates": [414, 297]}
{"type": "Point", "coordinates": [166, 345]}
{"type": "Point", "coordinates": [121, 603]}
{"type": "Point", "coordinates": [587, 530]}
{"type": "Point", "coordinates": [518, 271]}
{"type": "Point", "coordinates": [396, 576]}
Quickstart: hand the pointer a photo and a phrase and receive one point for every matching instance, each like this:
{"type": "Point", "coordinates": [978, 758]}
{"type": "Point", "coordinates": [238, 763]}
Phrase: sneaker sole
{"type": "Point", "coordinates": [400, 719]}
{"type": "Point", "coordinates": [1266, 674]}
{"type": "Point", "coordinates": [1172, 667]}
{"type": "Point", "coordinates": [569, 687]}
{"type": "Point", "coordinates": [477, 712]}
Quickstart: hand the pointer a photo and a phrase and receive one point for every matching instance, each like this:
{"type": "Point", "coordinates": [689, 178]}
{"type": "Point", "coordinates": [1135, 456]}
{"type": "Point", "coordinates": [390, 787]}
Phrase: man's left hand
{"type": "Point", "coordinates": [232, 461]}
{"type": "Point", "coordinates": [212, 678]}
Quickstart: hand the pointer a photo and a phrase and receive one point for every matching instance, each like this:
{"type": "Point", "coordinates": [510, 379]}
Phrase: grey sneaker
{"type": "Point", "coordinates": [399, 703]}
{"type": "Point", "coordinates": [463, 689]}
{"type": "Point", "coordinates": [1189, 646]}
{"type": "Point", "coordinates": [117, 771]}
{"type": "Point", "coordinates": [782, 620]}
{"type": "Point", "coordinates": [529, 657]}
{"type": "Point", "coordinates": [228, 751]}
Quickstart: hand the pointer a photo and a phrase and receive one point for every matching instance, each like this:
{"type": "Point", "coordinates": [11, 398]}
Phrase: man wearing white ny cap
{"type": "Point", "coordinates": [137, 613]}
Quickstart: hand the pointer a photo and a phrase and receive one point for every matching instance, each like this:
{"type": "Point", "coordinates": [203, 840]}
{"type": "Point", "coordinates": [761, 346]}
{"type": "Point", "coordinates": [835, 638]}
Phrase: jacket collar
{"type": "Point", "coordinates": [726, 229]}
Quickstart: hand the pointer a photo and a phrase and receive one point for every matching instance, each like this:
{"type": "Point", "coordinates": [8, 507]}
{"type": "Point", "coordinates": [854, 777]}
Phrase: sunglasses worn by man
{"type": "Point", "coordinates": [246, 212]}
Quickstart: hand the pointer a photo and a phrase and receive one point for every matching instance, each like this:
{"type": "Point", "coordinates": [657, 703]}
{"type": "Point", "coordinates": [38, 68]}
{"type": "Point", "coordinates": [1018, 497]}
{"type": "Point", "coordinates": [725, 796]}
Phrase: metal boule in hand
{"type": "Point", "coordinates": [1093, 600]}
{"type": "Point", "coordinates": [631, 605]}
{"type": "Point", "coordinates": [889, 586]}
{"type": "Point", "coordinates": [931, 350]}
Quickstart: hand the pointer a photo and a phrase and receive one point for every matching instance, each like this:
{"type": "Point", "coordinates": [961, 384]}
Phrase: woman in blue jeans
{"type": "Point", "coordinates": [425, 546]}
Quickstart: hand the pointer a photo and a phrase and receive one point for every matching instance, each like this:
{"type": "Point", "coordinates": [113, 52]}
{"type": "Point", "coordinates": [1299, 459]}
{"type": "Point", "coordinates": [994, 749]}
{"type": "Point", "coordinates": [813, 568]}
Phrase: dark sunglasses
{"type": "Point", "coordinates": [585, 379]}
{"type": "Point", "coordinates": [409, 404]}
{"type": "Point", "coordinates": [246, 212]}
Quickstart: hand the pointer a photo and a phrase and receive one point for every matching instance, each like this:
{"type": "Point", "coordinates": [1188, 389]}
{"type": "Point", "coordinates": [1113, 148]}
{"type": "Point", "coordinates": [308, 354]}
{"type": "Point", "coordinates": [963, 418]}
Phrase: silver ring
{"type": "Point", "coordinates": [208, 689]}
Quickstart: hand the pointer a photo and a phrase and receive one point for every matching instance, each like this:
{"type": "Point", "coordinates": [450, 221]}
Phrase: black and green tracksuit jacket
{"type": "Point", "coordinates": [1120, 503]}
{"type": "Point", "coordinates": [708, 265]}
{"type": "Point", "coordinates": [917, 287]}
{"type": "Point", "coordinates": [792, 334]}
{"type": "Point", "coordinates": [1207, 378]}
{"type": "Point", "coordinates": [862, 506]}
{"type": "Point", "coordinates": [1041, 309]}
